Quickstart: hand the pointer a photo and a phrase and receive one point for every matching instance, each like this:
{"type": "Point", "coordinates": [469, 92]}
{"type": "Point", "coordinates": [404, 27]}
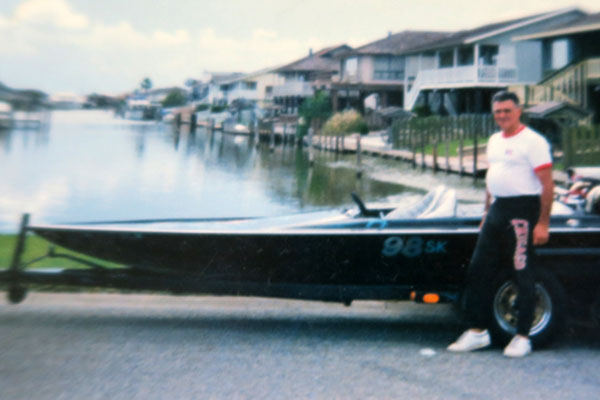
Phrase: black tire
{"type": "Point", "coordinates": [549, 316]}
{"type": "Point", "coordinates": [16, 294]}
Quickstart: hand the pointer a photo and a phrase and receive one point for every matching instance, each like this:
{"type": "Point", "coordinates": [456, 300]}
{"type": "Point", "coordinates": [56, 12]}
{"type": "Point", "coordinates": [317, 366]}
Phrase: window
{"type": "Point", "coordinates": [465, 55]}
{"type": "Point", "coordinates": [249, 85]}
{"type": "Point", "coordinates": [560, 53]}
{"type": "Point", "coordinates": [388, 68]}
{"type": "Point", "coordinates": [488, 54]}
{"type": "Point", "coordinates": [350, 67]}
{"type": "Point", "coordinates": [446, 58]}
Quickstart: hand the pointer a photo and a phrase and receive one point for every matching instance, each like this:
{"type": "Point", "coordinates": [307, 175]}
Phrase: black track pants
{"type": "Point", "coordinates": [505, 241]}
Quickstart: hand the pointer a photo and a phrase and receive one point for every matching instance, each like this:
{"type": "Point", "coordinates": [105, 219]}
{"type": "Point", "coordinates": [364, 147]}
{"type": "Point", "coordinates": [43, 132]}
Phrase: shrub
{"type": "Point", "coordinates": [422, 111]}
{"type": "Point", "coordinates": [314, 110]}
{"type": "Point", "coordinates": [345, 123]}
{"type": "Point", "coordinates": [174, 99]}
{"type": "Point", "coordinates": [217, 109]}
{"type": "Point", "coordinates": [202, 107]}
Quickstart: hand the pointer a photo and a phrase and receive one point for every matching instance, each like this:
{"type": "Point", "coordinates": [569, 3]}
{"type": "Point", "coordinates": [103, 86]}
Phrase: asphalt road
{"type": "Point", "coordinates": [113, 346]}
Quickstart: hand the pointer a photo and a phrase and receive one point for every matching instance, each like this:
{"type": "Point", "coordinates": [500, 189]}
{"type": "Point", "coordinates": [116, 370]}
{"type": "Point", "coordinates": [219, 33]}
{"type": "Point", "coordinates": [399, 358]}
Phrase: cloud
{"type": "Point", "coordinates": [50, 13]}
{"type": "Point", "coordinates": [82, 55]}
{"type": "Point", "coordinates": [179, 37]}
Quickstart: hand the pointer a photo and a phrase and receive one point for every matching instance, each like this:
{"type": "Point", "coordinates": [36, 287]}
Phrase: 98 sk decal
{"type": "Point", "coordinates": [414, 246]}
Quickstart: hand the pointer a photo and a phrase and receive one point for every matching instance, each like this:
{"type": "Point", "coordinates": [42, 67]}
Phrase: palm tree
{"type": "Point", "coordinates": [146, 84]}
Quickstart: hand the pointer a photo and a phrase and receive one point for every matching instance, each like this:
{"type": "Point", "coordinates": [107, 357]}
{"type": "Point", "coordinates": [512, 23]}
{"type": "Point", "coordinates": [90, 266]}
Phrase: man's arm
{"type": "Point", "coordinates": [488, 201]}
{"type": "Point", "coordinates": [541, 232]}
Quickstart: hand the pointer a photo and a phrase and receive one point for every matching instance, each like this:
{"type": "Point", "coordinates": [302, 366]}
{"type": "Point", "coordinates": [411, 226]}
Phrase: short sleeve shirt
{"type": "Point", "coordinates": [513, 162]}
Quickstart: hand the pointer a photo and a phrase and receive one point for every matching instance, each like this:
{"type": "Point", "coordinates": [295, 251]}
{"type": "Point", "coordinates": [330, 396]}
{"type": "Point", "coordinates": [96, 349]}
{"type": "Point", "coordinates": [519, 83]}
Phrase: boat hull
{"type": "Point", "coordinates": [416, 253]}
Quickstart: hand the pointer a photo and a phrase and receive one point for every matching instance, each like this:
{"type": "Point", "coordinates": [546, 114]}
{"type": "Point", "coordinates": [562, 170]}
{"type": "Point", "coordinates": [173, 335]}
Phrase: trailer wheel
{"type": "Point", "coordinates": [549, 314]}
{"type": "Point", "coordinates": [16, 294]}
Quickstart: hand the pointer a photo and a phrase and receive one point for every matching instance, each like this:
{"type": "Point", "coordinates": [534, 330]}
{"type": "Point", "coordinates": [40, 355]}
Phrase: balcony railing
{"type": "Point", "coordinates": [242, 94]}
{"type": "Point", "coordinates": [303, 89]}
{"type": "Point", "coordinates": [388, 75]}
{"type": "Point", "coordinates": [468, 74]}
{"type": "Point", "coordinates": [463, 75]}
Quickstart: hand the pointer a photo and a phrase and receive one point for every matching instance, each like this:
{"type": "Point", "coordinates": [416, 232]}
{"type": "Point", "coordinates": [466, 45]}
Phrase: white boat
{"type": "Point", "coordinates": [6, 115]}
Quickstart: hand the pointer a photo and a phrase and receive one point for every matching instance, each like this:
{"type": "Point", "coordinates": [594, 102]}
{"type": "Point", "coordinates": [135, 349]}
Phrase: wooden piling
{"type": "Point", "coordinates": [193, 122]}
{"type": "Point", "coordinates": [272, 140]}
{"type": "Point", "coordinates": [435, 155]}
{"type": "Point", "coordinates": [475, 150]}
{"type": "Point", "coordinates": [447, 147]}
{"type": "Point", "coordinates": [460, 153]}
{"type": "Point", "coordinates": [422, 135]}
{"type": "Point", "coordinates": [413, 146]}
{"type": "Point", "coordinates": [358, 157]}
{"type": "Point", "coordinates": [311, 159]}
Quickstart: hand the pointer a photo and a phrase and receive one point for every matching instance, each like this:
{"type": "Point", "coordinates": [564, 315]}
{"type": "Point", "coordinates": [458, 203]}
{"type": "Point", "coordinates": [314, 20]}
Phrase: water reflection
{"type": "Point", "coordinates": [92, 166]}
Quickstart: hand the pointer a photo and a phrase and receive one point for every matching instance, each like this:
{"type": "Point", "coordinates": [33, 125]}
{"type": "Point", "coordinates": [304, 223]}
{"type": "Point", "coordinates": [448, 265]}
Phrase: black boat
{"type": "Point", "coordinates": [419, 252]}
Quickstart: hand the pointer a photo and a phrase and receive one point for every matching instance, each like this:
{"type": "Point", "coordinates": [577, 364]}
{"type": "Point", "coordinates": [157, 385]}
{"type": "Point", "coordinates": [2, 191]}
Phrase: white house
{"type": "Point", "coordinates": [460, 73]}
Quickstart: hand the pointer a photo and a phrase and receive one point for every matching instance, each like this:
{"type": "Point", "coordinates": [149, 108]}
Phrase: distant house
{"type": "Point", "coordinates": [256, 87]}
{"type": "Point", "coordinates": [219, 86]}
{"type": "Point", "coordinates": [66, 101]}
{"type": "Point", "coordinates": [570, 67]}
{"type": "Point", "coordinates": [27, 99]}
{"type": "Point", "coordinates": [156, 96]}
{"type": "Point", "coordinates": [460, 73]}
{"type": "Point", "coordinates": [303, 77]}
{"type": "Point", "coordinates": [378, 68]}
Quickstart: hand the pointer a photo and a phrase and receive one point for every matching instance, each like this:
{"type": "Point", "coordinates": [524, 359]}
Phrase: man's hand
{"type": "Point", "coordinates": [541, 234]}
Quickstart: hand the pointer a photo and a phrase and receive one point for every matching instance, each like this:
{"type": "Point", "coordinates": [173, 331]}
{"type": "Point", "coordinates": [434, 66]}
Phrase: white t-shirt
{"type": "Point", "coordinates": [513, 162]}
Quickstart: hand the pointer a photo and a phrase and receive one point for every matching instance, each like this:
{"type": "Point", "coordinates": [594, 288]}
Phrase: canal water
{"type": "Point", "coordinates": [89, 165]}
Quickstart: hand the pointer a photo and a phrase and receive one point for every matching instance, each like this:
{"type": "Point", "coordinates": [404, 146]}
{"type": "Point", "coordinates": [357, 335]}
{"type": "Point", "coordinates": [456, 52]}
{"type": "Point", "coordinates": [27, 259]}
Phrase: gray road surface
{"type": "Point", "coordinates": [113, 346]}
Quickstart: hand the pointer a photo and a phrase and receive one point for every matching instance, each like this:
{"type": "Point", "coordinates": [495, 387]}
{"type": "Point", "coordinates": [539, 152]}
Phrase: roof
{"type": "Point", "coordinates": [587, 23]}
{"type": "Point", "coordinates": [399, 42]}
{"type": "Point", "coordinates": [545, 109]}
{"type": "Point", "coordinates": [166, 90]}
{"type": "Point", "coordinates": [224, 77]}
{"type": "Point", "coordinates": [248, 77]}
{"type": "Point", "coordinates": [490, 30]}
{"type": "Point", "coordinates": [322, 60]}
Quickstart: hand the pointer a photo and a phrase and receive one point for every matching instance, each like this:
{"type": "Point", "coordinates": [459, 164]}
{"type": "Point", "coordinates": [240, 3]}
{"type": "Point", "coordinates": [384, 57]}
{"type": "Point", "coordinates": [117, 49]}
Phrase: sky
{"type": "Point", "coordinates": [109, 46]}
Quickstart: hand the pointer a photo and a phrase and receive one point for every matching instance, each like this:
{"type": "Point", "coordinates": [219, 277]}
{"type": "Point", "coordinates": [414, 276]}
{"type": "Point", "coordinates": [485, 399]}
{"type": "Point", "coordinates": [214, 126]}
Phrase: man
{"type": "Point", "coordinates": [517, 215]}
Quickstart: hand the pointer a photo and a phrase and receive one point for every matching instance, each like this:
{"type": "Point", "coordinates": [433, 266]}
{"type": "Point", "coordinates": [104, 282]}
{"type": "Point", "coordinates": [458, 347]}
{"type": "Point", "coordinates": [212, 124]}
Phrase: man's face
{"type": "Point", "coordinates": [507, 115]}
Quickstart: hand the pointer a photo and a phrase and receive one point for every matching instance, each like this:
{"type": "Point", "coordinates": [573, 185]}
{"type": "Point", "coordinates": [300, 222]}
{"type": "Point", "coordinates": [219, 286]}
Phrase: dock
{"type": "Point", "coordinates": [376, 146]}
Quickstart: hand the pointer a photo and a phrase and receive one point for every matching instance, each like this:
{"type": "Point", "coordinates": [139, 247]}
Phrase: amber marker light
{"type": "Point", "coordinates": [413, 296]}
{"type": "Point", "coordinates": [431, 298]}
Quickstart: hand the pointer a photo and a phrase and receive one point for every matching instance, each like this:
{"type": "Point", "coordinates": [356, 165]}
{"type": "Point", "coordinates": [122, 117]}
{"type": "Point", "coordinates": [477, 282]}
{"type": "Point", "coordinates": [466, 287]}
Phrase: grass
{"type": "Point", "coordinates": [453, 146]}
{"type": "Point", "coordinates": [36, 247]}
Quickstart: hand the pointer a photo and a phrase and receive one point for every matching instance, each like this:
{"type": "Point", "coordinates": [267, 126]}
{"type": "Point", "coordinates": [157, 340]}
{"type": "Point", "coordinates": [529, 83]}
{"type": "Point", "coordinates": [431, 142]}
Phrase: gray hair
{"type": "Point", "coordinates": [505, 95]}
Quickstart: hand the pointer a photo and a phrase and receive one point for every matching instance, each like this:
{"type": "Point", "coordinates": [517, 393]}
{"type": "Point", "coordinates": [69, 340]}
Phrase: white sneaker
{"type": "Point", "coordinates": [471, 340]}
{"type": "Point", "coordinates": [519, 346]}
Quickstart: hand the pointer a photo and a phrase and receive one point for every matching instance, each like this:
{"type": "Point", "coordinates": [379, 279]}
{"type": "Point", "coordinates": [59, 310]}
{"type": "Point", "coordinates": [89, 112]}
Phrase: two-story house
{"type": "Point", "coordinates": [219, 87]}
{"type": "Point", "coordinates": [256, 87]}
{"type": "Point", "coordinates": [377, 68]}
{"type": "Point", "coordinates": [460, 74]}
{"type": "Point", "coordinates": [570, 64]}
{"type": "Point", "coordinates": [303, 77]}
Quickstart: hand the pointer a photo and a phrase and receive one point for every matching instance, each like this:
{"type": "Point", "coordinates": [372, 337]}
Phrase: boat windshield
{"type": "Point", "coordinates": [439, 203]}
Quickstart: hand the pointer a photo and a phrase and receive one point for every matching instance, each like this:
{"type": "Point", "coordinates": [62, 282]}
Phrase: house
{"type": "Point", "coordinates": [66, 101]}
{"type": "Point", "coordinates": [570, 67]}
{"type": "Point", "coordinates": [256, 87]}
{"type": "Point", "coordinates": [156, 96]}
{"type": "Point", "coordinates": [219, 86]}
{"type": "Point", "coordinates": [303, 77]}
{"type": "Point", "coordinates": [460, 73]}
{"type": "Point", "coordinates": [23, 99]}
{"type": "Point", "coordinates": [377, 69]}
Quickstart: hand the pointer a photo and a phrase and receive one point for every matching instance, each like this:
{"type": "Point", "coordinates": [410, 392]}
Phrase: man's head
{"type": "Point", "coordinates": [507, 112]}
